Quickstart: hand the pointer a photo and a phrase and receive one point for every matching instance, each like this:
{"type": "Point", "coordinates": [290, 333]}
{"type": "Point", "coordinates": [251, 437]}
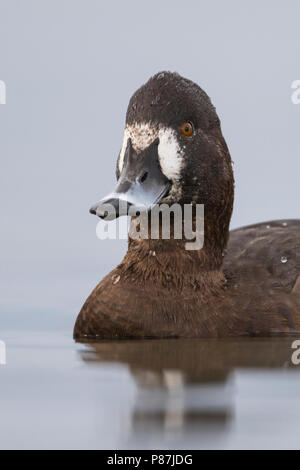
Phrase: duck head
{"type": "Point", "coordinates": [173, 151]}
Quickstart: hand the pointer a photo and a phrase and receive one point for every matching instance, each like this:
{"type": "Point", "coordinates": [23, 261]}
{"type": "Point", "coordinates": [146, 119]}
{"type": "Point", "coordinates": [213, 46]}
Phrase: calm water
{"type": "Point", "coordinates": [208, 394]}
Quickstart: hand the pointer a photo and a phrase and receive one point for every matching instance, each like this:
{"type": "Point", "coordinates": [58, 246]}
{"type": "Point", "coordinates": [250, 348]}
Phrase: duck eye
{"type": "Point", "coordinates": [186, 129]}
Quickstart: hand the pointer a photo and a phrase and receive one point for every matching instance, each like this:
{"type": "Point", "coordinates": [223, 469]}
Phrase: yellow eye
{"type": "Point", "coordinates": [186, 129]}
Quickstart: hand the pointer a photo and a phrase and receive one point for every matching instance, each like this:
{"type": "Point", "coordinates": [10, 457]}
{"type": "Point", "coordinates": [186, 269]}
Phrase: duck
{"type": "Point", "coordinates": [243, 282]}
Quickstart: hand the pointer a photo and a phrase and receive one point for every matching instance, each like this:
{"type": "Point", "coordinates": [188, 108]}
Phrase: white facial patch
{"type": "Point", "coordinates": [169, 152]}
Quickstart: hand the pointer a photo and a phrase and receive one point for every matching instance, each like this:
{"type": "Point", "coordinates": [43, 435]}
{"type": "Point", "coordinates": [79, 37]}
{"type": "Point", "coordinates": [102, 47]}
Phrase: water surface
{"type": "Point", "coordinates": [211, 394]}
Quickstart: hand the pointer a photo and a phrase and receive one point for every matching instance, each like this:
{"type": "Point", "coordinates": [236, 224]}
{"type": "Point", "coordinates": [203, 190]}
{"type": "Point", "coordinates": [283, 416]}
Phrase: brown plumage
{"type": "Point", "coordinates": [162, 290]}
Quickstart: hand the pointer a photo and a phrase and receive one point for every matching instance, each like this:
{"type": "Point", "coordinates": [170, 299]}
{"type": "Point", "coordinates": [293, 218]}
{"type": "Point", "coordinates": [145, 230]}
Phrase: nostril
{"type": "Point", "coordinates": [144, 177]}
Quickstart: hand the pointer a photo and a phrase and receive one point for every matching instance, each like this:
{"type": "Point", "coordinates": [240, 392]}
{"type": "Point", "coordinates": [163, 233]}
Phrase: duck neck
{"type": "Point", "coordinates": [169, 262]}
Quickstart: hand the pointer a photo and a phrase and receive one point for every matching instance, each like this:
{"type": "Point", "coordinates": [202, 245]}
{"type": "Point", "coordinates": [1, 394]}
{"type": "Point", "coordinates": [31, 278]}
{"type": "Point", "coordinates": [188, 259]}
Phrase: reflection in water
{"type": "Point", "coordinates": [186, 386]}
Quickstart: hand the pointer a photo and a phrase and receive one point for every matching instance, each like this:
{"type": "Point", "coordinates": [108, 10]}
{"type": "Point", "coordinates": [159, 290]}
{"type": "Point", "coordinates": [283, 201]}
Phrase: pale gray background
{"type": "Point", "coordinates": [70, 68]}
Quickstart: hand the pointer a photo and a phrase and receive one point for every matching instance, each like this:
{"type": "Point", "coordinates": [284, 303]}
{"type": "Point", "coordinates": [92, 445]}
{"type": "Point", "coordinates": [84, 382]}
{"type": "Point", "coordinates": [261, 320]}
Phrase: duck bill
{"type": "Point", "coordinates": [141, 185]}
